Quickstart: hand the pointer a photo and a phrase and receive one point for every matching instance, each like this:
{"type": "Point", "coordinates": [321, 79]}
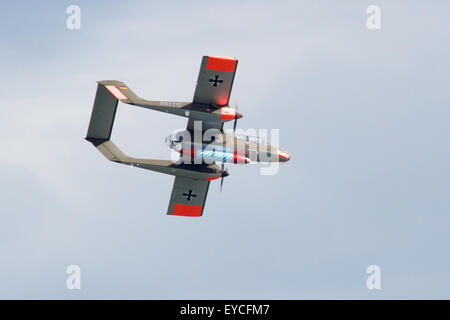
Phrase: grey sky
{"type": "Point", "coordinates": [363, 113]}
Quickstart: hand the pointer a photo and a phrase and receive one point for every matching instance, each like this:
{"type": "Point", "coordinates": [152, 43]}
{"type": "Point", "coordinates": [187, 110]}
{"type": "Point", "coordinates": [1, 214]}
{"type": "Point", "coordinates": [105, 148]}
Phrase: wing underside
{"type": "Point", "coordinates": [215, 80]}
{"type": "Point", "coordinates": [188, 197]}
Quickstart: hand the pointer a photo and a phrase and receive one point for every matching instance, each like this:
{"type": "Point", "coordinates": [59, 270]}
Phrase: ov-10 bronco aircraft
{"type": "Point", "coordinates": [207, 113]}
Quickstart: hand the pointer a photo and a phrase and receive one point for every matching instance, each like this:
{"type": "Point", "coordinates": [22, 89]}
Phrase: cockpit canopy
{"type": "Point", "coordinates": [175, 139]}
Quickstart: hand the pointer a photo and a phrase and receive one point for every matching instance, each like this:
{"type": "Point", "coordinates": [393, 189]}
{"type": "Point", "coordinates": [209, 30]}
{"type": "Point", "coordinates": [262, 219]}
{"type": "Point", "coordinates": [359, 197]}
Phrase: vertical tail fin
{"type": "Point", "coordinates": [102, 117]}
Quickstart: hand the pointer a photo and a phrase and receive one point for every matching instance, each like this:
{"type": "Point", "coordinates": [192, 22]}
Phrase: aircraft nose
{"type": "Point", "coordinates": [283, 156]}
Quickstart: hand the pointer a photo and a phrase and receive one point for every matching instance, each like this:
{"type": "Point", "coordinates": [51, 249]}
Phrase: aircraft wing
{"type": "Point", "coordinates": [188, 197]}
{"type": "Point", "coordinates": [215, 80]}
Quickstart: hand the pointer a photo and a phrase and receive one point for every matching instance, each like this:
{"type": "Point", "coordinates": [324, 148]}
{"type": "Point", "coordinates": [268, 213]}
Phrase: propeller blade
{"type": "Point", "coordinates": [224, 174]}
{"type": "Point", "coordinates": [238, 116]}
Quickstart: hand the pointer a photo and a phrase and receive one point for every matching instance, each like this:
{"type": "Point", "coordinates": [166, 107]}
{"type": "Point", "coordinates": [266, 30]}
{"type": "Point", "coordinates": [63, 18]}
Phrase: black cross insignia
{"type": "Point", "coordinates": [216, 80]}
{"type": "Point", "coordinates": [189, 195]}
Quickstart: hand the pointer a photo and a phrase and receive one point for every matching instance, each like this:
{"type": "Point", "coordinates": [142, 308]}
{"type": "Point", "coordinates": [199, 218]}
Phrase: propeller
{"type": "Point", "coordinates": [225, 171]}
{"type": "Point", "coordinates": [238, 116]}
{"type": "Point", "coordinates": [223, 175]}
